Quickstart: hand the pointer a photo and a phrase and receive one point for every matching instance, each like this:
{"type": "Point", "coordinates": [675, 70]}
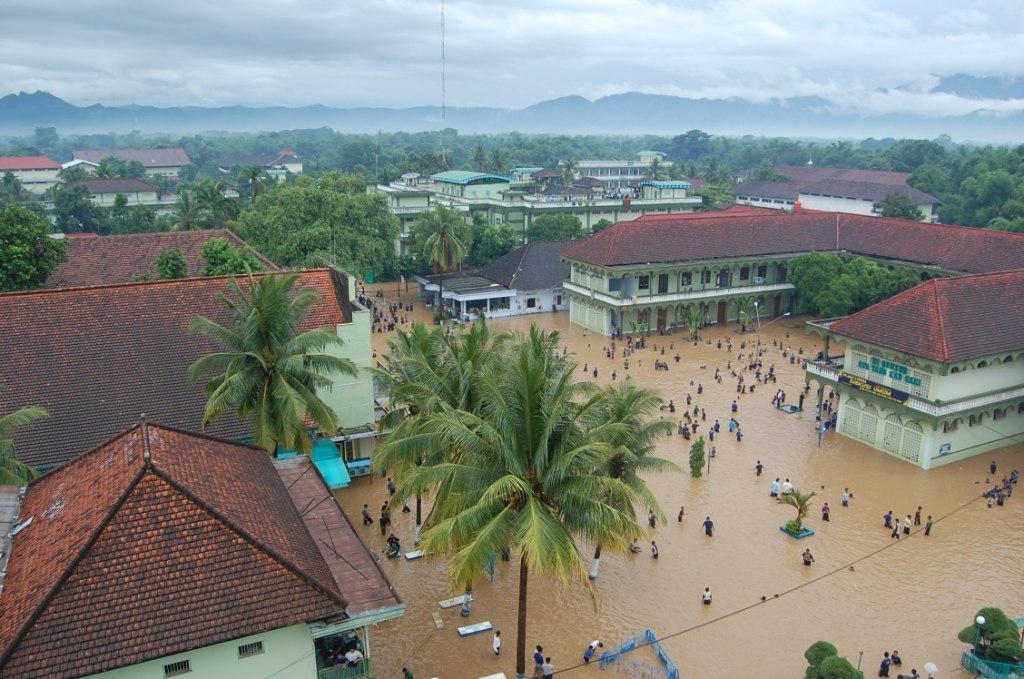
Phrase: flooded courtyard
{"type": "Point", "coordinates": [913, 594]}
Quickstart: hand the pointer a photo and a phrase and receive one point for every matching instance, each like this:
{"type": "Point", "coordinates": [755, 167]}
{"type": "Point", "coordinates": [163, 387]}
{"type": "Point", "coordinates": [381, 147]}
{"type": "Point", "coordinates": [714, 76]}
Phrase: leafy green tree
{"type": "Point", "coordinates": [632, 429]}
{"type": "Point", "coordinates": [75, 212]}
{"type": "Point", "coordinates": [443, 239]}
{"type": "Point", "coordinates": [223, 258]}
{"type": "Point", "coordinates": [45, 138]}
{"type": "Point", "coordinates": [999, 639]}
{"type": "Point", "coordinates": [828, 285]}
{"type": "Point", "coordinates": [931, 179]}
{"type": "Point", "coordinates": [657, 170]}
{"type": "Point", "coordinates": [899, 206]}
{"type": "Point", "coordinates": [522, 476]}
{"type": "Point", "coordinates": [694, 319]}
{"type": "Point", "coordinates": [171, 264]}
{"type": "Point", "coordinates": [568, 170]}
{"type": "Point", "coordinates": [215, 207]}
{"type": "Point", "coordinates": [479, 156]}
{"type": "Point", "coordinates": [697, 458]}
{"type": "Point", "coordinates": [305, 223]}
{"type": "Point", "coordinates": [492, 242]}
{"type": "Point", "coordinates": [563, 226]}
{"type": "Point", "coordinates": [268, 370]}
{"type": "Point", "coordinates": [746, 308]}
{"type": "Point", "coordinates": [497, 160]}
{"type": "Point", "coordinates": [600, 225]}
{"type": "Point", "coordinates": [13, 472]}
{"type": "Point", "coordinates": [766, 172]}
{"type": "Point", "coordinates": [816, 654]}
{"type": "Point", "coordinates": [691, 146]}
{"type": "Point", "coordinates": [10, 189]}
{"type": "Point", "coordinates": [28, 255]}
{"type": "Point", "coordinates": [838, 667]}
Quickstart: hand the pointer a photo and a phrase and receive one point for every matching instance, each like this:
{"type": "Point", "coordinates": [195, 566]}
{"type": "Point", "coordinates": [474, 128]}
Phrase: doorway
{"type": "Point", "coordinates": [662, 320]}
{"type": "Point", "coordinates": [663, 284]}
{"type": "Point", "coordinates": [722, 306]}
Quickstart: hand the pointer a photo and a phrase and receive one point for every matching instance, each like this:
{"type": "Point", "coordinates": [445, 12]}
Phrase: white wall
{"type": "Point", "coordinates": [543, 300]}
{"type": "Point", "coordinates": [35, 181]}
{"type": "Point", "coordinates": [972, 381]}
{"type": "Point", "coordinates": [283, 656]}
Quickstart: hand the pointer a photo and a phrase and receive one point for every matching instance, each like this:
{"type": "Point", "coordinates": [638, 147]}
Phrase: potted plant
{"type": "Point", "coordinates": [802, 503]}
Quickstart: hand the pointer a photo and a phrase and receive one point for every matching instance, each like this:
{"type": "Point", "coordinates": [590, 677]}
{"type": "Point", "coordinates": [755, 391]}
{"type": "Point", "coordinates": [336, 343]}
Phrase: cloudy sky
{"type": "Point", "coordinates": [882, 55]}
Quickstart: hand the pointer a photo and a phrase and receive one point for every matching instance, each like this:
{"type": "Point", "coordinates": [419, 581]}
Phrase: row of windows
{"type": "Point", "coordinates": [180, 667]}
{"type": "Point", "coordinates": [686, 278]}
{"type": "Point", "coordinates": [979, 418]}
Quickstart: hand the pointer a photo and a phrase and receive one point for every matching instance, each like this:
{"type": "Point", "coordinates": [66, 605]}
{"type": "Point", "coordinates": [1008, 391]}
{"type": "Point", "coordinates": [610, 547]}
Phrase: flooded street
{"type": "Point", "coordinates": [914, 596]}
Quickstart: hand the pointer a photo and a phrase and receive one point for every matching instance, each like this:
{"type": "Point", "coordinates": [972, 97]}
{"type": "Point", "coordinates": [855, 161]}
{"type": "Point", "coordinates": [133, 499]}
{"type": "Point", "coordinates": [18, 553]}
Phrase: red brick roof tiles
{"type": "Point", "coordinates": [168, 157]}
{"type": "Point", "coordinates": [946, 319]}
{"type": "Point", "coordinates": [126, 561]}
{"type": "Point", "coordinates": [27, 163]}
{"type": "Point", "coordinates": [713, 235]}
{"type": "Point", "coordinates": [116, 185]}
{"type": "Point", "coordinates": [97, 357]}
{"type": "Point", "coordinates": [104, 260]}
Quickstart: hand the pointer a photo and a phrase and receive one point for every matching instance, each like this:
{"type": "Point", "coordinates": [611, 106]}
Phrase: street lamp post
{"type": "Point", "coordinates": [978, 622]}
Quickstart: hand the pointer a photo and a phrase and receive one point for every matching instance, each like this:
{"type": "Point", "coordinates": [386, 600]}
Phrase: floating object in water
{"type": "Point", "coordinates": [452, 603]}
{"type": "Point", "coordinates": [438, 623]}
{"type": "Point", "coordinates": [476, 628]}
{"type": "Point", "coordinates": [416, 554]}
{"type": "Point", "coordinates": [499, 675]}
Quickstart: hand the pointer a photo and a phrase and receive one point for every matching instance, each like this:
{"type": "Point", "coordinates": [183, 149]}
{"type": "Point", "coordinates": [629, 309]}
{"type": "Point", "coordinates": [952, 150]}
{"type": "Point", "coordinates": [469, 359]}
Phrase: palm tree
{"type": "Point", "coordinates": [210, 199]}
{"type": "Point", "coordinates": [252, 174]}
{"type": "Point", "coordinates": [656, 170]}
{"type": "Point", "coordinates": [187, 213]}
{"type": "Point", "coordinates": [445, 241]}
{"type": "Point", "coordinates": [12, 471]}
{"type": "Point", "coordinates": [521, 475]}
{"type": "Point", "coordinates": [746, 308]}
{"type": "Point", "coordinates": [479, 157]}
{"type": "Point", "coordinates": [497, 160]}
{"type": "Point", "coordinates": [269, 371]}
{"type": "Point", "coordinates": [694, 319]}
{"type": "Point", "coordinates": [800, 501]}
{"type": "Point", "coordinates": [109, 168]}
{"type": "Point", "coordinates": [632, 431]}
{"type": "Point", "coordinates": [425, 372]}
{"type": "Point", "coordinates": [569, 166]}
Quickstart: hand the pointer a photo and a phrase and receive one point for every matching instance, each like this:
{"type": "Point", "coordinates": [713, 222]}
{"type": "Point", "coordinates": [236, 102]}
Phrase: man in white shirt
{"type": "Point", "coordinates": [353, 657]}
{"type": "Point", "coordinates": [706, 596]}
{"type": "Point", "coordinates": [496, 643]}
{"type": "Point", "coordinates": [787, 487]}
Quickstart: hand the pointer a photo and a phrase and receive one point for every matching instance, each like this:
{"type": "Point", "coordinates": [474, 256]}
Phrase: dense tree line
{"type": "Point", "coordinates": [829, 285]}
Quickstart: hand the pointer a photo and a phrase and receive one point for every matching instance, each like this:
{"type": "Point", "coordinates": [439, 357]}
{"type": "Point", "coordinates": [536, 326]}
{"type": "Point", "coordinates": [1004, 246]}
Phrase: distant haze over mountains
{"type": "Point", "coordinates": [630, 113]}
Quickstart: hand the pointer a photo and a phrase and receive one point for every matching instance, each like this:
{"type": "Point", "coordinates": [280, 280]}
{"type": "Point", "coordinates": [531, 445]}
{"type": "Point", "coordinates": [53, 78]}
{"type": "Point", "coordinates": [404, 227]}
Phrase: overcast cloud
{"type": "Point", "coordinates": [874, 55]}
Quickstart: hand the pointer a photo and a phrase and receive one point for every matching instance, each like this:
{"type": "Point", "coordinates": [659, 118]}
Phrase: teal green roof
{"type": "Point", "coordinates": [465, 177]}
{"type": "Point", "coordinates": [666, 185]}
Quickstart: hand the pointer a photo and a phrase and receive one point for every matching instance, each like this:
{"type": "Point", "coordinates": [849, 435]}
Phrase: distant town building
{"type": "Point", "coordinates": [408, 199]}
{"type": "Point", "coordinates": [34, 173]}
{"type": "Point", "coordinates": [276, 165]}
{"type": "Point", "coordinates": [648, 273]}
{"type": "Point", "coordinates": [525, 281]}
{"type": "Point", "coordinates": [932, 375]}
{"type": "Point", "coordinates": [104, 192]}
{"type": "Point", "coordinates": [621, 174]}
{"type": "Point", "coordinates": [161, 553]}
{"type": "Point", "coordinates": [142, 329]}
{"type": "Point", "coordinates": [112, 260]}
{"type": "Point", "coordinates": [165, 162]}
{"type": "Point", "coordinates": [833, 189]}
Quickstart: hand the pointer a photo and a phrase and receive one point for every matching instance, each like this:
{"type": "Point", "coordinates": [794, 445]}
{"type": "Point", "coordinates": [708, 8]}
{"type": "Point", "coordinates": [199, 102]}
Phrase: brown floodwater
{"type": "Point", "coordinates": [914, 596]}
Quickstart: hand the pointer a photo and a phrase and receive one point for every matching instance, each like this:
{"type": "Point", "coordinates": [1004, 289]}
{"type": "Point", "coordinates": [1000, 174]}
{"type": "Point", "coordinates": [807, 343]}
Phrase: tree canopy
{"type": "Point", "coordinates": [562, 226]}
{"type": "Point", "coordinates": [171, 264]}
{"type": "Point", "coordinates": [27, 252]}
{"type": "Point", "coordinates": [223, 258]}
{"type": "Point", "coordinates": [828, 285]}
{"type": "Point", "coordinates": [898, 205]}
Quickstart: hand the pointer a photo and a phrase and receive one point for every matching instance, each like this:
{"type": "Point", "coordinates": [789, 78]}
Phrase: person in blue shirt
{"type": "Point", "coordinates": [883, 669]}
{"type": "Point", "coordinates": [538, 660]}
{"type": "Point", "coordinates": [709, 526]}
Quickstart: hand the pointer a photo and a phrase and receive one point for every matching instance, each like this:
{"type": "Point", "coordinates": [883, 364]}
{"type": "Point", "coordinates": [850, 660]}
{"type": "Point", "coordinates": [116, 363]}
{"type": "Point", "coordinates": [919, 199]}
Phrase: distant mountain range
{"type": "Point", "coordinates": [630, 113]}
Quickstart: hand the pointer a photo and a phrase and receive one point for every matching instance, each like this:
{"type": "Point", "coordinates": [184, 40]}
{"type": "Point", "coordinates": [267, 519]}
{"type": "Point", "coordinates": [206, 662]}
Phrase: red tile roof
{"type": "Point", "coordinates": [119, 259]}
{"type": "Point", "coordinates": [116, 185]}
{"type": "Point", "coordinates": [128, 560]}
{"type": "Point", "coordinates": [355, 570]}
{"type": "Point", "coordinates": [170, 157]}
{"type": "Point", "coordinates": [732, 210]}
{"type": "Point", "coordinates": [97, 357]}
{"type": "Point", "coordinates": [712, 235]}
{"type": "Point", "coordinates": [27, 163]}
{"type": "Point", "coordinates": [946, 319]}
{"type": "Point", "coordinates": [834, 181]}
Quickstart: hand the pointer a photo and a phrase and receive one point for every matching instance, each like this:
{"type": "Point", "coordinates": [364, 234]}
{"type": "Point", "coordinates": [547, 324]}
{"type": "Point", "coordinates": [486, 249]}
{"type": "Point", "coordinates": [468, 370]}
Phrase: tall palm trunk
{"type": "Point", "coordinates": [596, 563]}
{"type": "Point", "coordinates": [521, 622]}
{"type": "Point", "coordinates": [419, 514]}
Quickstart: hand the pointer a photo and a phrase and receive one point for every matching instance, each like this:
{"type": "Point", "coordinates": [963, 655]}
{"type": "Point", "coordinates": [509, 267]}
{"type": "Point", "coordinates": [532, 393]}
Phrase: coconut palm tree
{"type": "Point", "coordinates": [694, 319]}
{"type": "Point", "coordinates": [187, 213]}
{"type": "Point", "coordinates": [270, 371]}
{"type": "Point", "coordinates": [210, 200]}
{"type": "Point", "coordinates": [425, 372]}
{"type": "Point", "coordinates": [799, 501]}
{"type": "Point", "coordinates": [12, 471]}
{"type": "Point", "coordinates": [445, 239]}
{"type": "Point", "coordinates": [569, 166]}
{"type": "Point", "coordinates": [521, 475]}
{"type": "Point", "coordinates": [746, 308]}
{"type": "Point", "coordinates": [656, 171]}
{"type": "Point", "coordinates": [632, 429]}
{"type": "Point", "coordinates": [109, 168]}
{"type": "Point", "coordinates": [252, 174]}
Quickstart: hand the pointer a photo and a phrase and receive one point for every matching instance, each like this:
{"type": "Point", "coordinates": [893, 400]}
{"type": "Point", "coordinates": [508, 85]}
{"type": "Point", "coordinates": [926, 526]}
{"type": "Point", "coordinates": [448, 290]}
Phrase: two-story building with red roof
{"type": "Point", "coordinates": [934, 374]}
{"type": "Point", "coordinates": [34, 173]}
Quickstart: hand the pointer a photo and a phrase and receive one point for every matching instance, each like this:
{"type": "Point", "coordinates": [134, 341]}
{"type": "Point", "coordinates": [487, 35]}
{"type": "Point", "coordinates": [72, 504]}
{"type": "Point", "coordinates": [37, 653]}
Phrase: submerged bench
{"type": "Point", "coordinates": [474, 629]}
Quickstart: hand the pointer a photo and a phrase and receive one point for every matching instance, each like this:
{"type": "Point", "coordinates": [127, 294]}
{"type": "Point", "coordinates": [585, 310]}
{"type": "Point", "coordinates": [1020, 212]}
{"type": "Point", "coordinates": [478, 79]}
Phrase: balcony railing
{"type": "Point", "coordinates": [935, 410]}
{"type": "Point", "coordinates": [364, 670]}
{"type": "Point", "coordinates": [619, 300]}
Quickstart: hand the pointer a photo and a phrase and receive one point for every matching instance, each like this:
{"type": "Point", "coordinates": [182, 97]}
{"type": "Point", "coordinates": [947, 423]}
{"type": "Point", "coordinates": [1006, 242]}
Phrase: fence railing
{"type": "Point", "coordinates": [990, 668]}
